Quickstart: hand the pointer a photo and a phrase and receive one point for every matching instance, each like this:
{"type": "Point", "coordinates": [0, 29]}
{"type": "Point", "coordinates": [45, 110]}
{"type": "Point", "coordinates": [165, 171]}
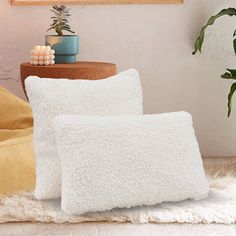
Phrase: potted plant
{"type": "Point", "coordinates": [66, 46]}
{"type": "Point", "coordinates": [231, 73]}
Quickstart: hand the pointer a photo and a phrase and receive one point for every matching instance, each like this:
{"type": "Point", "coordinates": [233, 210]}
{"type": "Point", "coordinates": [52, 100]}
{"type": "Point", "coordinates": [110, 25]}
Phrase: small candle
{"type": "Point", "coordinates": [52, 62]}
{"type": "Point", "coordinates": [36, 52]}
{"type": "Point", "coordinates": [36, 48]}
{"type": "Point", "coordinates": [52, 52]}
{"type": "Point", "coordinates": [42, 55]}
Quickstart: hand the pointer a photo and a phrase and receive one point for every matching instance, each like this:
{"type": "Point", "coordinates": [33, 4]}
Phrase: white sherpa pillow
{"type": "Point", "coordinates": [110, 162]}
{"type": "Point", "coordinates": [117, 95]}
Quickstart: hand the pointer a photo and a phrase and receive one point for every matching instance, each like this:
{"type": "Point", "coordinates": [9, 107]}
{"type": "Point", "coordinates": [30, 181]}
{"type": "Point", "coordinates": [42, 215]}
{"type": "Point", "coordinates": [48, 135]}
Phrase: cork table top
{"type": "Point", "coordinates": [81, 64]}
{"type": "Point", "coordinates": [78, 70]}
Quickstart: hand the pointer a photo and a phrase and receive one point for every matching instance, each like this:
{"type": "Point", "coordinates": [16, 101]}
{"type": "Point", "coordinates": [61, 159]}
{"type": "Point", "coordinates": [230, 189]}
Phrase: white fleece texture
{"type": "Point", "coordinates": [118, 95]}
{"type": "Point", "coordinates": [110, 162]}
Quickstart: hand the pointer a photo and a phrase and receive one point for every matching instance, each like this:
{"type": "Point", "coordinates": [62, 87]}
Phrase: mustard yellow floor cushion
{"type": "Point", "coordinates": [14, 112]}
{"type": "Point", "coordinates": [17, 165]}
{"type": "Point", "coordinates": [17, 161]}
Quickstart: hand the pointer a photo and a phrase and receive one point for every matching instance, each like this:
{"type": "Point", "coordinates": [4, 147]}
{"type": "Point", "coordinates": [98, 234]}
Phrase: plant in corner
{"type": "Point", "coordinates": [231, 73]}
{"type": "Point", "coordinates": [66, 46]}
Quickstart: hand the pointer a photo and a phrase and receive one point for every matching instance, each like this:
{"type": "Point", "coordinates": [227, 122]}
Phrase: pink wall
{"type": "Point", "coordinates": [155, 39]}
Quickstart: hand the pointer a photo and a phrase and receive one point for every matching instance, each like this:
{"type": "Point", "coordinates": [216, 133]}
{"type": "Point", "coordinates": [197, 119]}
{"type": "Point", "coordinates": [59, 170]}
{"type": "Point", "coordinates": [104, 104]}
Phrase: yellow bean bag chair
{"type": "Point", "coordinates": [17, 162]}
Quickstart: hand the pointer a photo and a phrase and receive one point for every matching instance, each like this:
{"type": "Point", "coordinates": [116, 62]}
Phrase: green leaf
{"type": "Point", "coordinates": [60, 19]}
{"type": "Point", "coordinates": [230, 74]}
{"type": "Point", "coordinates": [50, 28]}
{"type": "Point", "coordinates": [211, 21]}
{"type": "Point", "coordinates": [55, 12]}
{"type": "Point", "coordinates": [231, 93]}
{"type": "Point", "coordinates": [70, 31]}
{"type": "Point", "coordinates": [234, 42]}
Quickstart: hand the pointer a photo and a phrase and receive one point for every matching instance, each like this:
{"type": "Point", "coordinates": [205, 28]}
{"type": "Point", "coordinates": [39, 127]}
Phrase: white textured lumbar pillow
{"type": "Point", "coordinates": [110, 162]}
{"type": "Point", "coordinates": [117, 95]}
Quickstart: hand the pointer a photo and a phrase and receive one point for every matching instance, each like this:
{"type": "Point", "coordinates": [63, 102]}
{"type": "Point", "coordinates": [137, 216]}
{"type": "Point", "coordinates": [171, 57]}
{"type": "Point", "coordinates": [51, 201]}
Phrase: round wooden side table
{"type": "Point", "coordinates": [78, 70]}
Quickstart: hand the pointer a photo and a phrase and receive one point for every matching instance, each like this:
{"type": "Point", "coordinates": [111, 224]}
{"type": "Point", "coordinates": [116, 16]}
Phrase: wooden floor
{"type": "Point", "coordinates": [113, 229]}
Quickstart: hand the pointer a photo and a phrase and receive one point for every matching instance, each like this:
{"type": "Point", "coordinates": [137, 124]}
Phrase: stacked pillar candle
{"type": "Point", "coordinates": [42, 56]}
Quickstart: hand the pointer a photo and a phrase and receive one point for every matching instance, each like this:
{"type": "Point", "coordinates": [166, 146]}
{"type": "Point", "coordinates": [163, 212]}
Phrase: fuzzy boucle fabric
{"type": "Point", "coordinates": [117, 95]}
{"type": "Point", "coordinates": [219, 207]}
{"type": "Point", "coordinates": [128, 161]}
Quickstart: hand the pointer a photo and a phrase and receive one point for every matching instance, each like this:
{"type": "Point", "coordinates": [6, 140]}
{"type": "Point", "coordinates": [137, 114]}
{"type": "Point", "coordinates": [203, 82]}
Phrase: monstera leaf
{"type": "Point", "coordinates": [211, 21]}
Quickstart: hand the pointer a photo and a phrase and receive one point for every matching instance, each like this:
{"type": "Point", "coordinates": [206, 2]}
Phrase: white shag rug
{"type": "Point", "coordinates": [219, 207]}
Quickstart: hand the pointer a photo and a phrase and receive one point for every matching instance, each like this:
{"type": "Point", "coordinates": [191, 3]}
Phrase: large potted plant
{"type": "Point", "coordinates": [66, 46]}
{"type": "Point", "coordinates": [231, 73]}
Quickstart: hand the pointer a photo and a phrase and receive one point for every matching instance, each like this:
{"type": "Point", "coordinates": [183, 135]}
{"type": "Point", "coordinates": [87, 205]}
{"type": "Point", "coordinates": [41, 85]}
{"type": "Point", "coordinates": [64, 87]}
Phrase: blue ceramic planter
{"type": "Point", "coordinates": [66, 47]}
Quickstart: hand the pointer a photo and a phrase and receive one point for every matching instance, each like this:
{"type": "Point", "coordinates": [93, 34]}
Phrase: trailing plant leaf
{"type": "Point", "coordinates": [211, 21]}
{"type": "Point", "coordinates": [231, 93]}
{"type": "Point", "coordinates": [230, 74]}
{"type": "Point", "coordinates": [234, 43]}
{"type": "Point", "coordinates": [60, 20]}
